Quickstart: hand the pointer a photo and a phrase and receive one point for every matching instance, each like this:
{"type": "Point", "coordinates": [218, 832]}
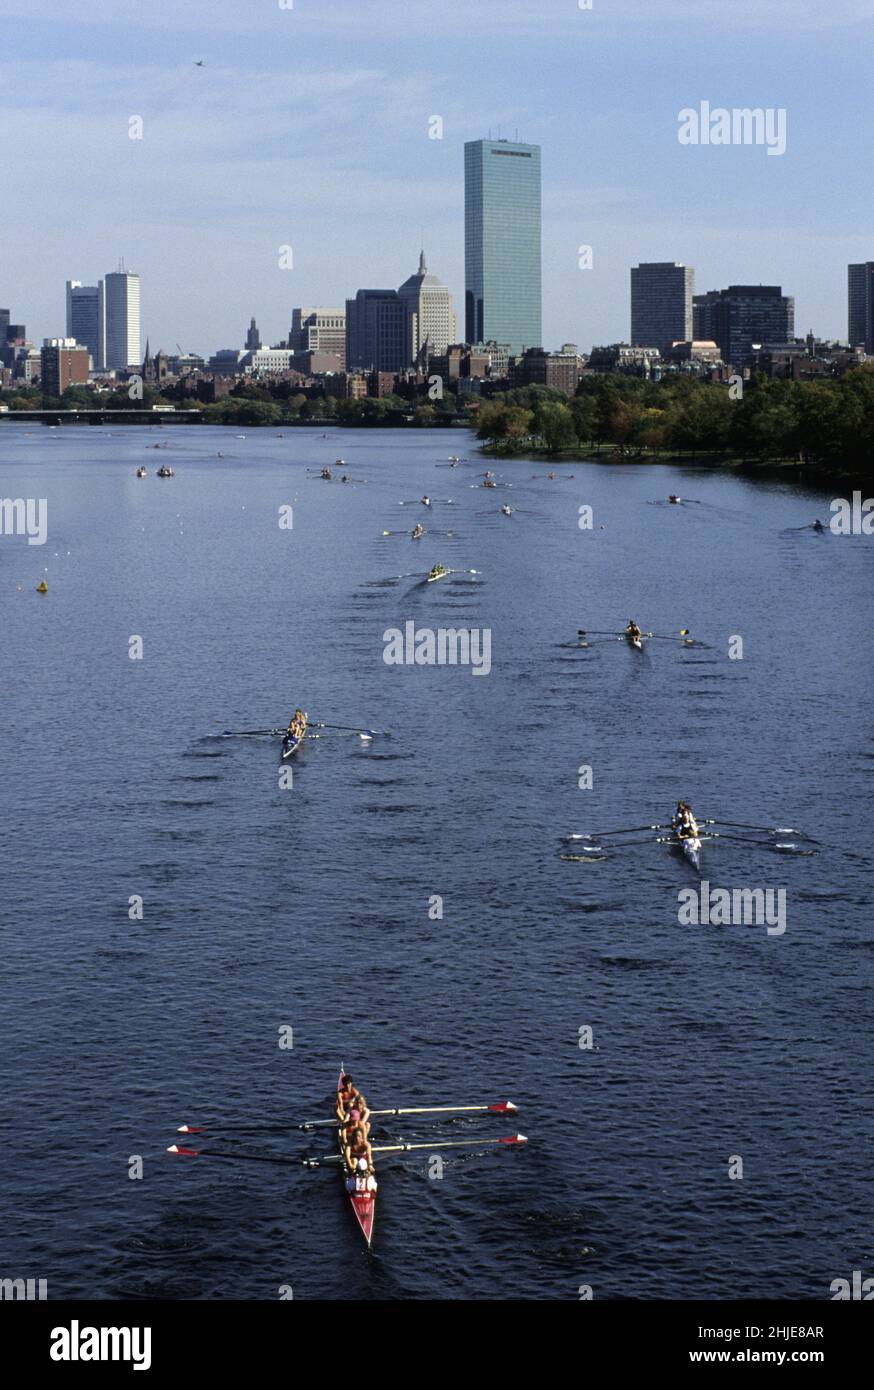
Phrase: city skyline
{"type": "Point", "coordinates": [261, 148]}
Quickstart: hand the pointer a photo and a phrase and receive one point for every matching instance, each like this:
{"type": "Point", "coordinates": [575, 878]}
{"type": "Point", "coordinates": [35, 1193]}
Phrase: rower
{"type": "Point", "coordinates": [346, 1095]}
{"type": "Point", "coordinates": [426, 501]}
{"type": "Point", "coordinates": [356, 1146]}
{"type": "Point", "coordinates": [632, 630]}
{"type": "Point", "coordinates": [418, 530]}
{"type": "Point", "coordinates": [674, 498]}
{"type": "Point", "coordinates": [818, 526]}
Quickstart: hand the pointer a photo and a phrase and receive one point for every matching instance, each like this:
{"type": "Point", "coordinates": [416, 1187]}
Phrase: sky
{"type": "Point", "coordinates": [308, 127]}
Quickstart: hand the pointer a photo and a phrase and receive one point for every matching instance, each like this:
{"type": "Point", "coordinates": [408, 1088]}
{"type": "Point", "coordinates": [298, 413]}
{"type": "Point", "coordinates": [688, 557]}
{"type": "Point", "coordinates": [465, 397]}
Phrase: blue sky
{"type": "Point", "coordinates": [308, 126]}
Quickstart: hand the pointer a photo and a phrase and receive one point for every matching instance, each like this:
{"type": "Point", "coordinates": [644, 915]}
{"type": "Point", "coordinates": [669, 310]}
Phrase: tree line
{"type": "Point", "coordinates": [828, 422]}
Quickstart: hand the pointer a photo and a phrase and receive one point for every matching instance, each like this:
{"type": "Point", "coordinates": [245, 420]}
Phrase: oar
{"type": "Point", "coordinates": [248, 733]}
{"type": "Point", "coordinates": [449, 1144]}
{"type": "Point", "coordinates": [246, 1129]}
{"type": "Point", "coordinates": [345, 728]}
{"type": "Point", "coordinates": [221, 1153]}
{"type": "Point", "coordinates": [768, 829]}
{"type": "Point", "coordinates": [629, 830]}
{"type": "Point", "coordinates": [504, 1107]}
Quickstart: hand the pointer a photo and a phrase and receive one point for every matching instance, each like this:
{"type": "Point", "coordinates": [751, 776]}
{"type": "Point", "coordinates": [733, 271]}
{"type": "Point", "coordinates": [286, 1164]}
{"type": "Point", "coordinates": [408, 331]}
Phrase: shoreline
{"type": "Point", "coordinates": [788, 469]}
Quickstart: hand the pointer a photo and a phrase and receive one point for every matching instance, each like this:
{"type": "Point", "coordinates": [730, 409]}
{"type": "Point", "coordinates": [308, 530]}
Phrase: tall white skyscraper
{"type": "Point", "coordinates": [121, 315]}
{"type": "Point", "coordinates": [85, 319]}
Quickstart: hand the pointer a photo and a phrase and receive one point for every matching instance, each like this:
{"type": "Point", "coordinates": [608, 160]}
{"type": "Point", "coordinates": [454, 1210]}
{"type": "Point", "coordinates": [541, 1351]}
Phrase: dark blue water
{"type": "Point", "coordinates": [307, 908]}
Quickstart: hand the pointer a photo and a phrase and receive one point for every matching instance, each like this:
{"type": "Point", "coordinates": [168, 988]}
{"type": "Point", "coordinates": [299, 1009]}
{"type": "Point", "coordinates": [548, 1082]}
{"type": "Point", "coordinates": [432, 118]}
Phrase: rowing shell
{"type": "Point", "coordinates": [290, 746]}
{"type": "Point", "coordinates": [635, 641]}
{"type": "Point", "coordinates": [363, 1203]}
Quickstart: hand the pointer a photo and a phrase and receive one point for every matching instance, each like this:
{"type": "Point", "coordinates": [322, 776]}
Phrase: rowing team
{"type": "Point", "coordinates": [354, 1120]}
{"type": "Point", "coordinates": [297, 726]}
{"type": "Point", "coordinates": [436, 572]}
{"type": "Point", "coordinates": [684, 822]}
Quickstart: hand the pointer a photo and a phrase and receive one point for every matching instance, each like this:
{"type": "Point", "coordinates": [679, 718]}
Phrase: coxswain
{"type": "Point", "coordinates": [362, 1178]}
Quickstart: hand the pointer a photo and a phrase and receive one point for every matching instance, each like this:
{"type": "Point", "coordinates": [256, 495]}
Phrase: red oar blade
{"type": "Point", "coordinates": [504, 1107]}
{"type": "Point", "coordinates": [515, 1139]}
{"type": "Point", "coordinates": [191, 1129]}
{"type": "Point", "coordinates": [178, 1149]}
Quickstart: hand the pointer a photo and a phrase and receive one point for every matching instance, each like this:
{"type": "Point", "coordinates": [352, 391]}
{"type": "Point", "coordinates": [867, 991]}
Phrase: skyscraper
{"type": "Point", "coordinates": [502, 300]}
{"type": "Point", "coordinates": [429, 318]}
{"type": "Point", "coordinates": [661, 304]}
{"type": "Point", "coordinates": [860, 305]}
{"type": "Point", "coordinates": [375, 331]}
{"type": "Point", "coordinates": [121, 315]}
{"type": "Point", "coordinates": [84, 319]}
{"type": "Point", "coordinates": [743, 317]}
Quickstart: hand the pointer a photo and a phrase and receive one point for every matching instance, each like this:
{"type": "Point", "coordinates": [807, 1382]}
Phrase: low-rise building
{"type": "Point", "coordinates": [632, 361]}
{"type": "Point", "coordinates": [559, 370]}
{"type": "Point", "coordinates": [63, 363]}
{"type": "Point", "coordinates": [268, 361]}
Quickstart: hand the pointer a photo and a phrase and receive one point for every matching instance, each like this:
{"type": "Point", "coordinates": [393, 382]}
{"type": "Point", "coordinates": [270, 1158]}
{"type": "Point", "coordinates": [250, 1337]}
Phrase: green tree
{"type": "Point", "coordinates": [555, 425]}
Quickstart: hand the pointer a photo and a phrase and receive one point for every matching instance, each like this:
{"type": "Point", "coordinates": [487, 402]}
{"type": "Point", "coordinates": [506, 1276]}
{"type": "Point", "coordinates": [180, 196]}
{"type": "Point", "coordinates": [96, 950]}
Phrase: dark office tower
{"type": "Point", "coordinates": [742, 318]}
{"type": "Point", "coordinates": [4, 324]}
{"type": "Point", "coordinates": [860, 305]}
{"type": "Point", "coordinates": [253, 337]}
{"type": "Point", "coordinates": [84, 309]}
{"type": "Point", "coordinates": [375, 331]}
{"type": "Point", "coordinates": [502, 244]}
{"type": "Point", "coordinates": [661, 304]}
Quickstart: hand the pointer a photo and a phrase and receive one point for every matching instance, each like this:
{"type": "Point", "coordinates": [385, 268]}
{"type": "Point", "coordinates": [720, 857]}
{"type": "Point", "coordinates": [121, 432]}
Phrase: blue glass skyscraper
{"type": "Point", "coordinates": [502, 243]}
